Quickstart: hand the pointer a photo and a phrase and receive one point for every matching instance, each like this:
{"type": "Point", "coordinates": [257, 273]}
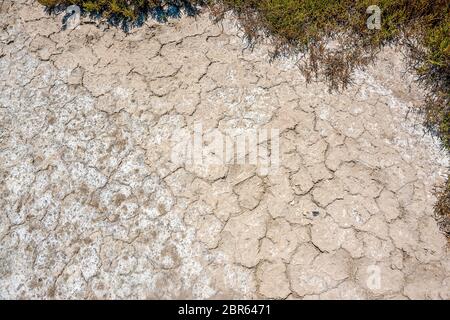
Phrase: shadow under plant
{"type": "Point", "coordinates": [126, 14]}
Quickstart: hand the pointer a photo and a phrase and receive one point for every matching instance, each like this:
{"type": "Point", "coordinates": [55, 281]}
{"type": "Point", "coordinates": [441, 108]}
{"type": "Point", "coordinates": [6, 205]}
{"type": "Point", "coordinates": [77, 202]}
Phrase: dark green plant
{"type": "Point", "coordinates": [129, 11]}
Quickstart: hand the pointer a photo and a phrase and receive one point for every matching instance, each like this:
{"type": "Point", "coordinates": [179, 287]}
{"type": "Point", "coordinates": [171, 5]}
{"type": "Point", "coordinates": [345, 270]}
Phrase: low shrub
{"type": "Point", "coordinates": [129, 11]}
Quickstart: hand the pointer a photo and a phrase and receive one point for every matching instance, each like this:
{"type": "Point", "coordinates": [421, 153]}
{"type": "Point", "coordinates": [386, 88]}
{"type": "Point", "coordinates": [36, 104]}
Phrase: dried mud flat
{"type": "Point", "coordinates": [92, 206]}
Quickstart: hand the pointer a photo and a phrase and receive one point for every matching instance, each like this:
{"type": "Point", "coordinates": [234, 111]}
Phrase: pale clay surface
{"type": "Point", "coordinates": [91, 206]}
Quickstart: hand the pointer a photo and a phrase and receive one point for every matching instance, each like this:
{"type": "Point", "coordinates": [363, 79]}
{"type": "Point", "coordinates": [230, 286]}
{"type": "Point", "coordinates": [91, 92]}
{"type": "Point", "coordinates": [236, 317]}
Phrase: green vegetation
{"type": "Point", "coordinates": [442, 207]}
{"type": "Point", "coordinates": [129, 11]}
{"type": "Point", "coordinates": [307, 26]}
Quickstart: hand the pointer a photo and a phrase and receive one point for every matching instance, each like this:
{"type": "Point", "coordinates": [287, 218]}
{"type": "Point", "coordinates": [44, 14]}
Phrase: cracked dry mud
{"type": "Point", "coordinates": [92, 207]}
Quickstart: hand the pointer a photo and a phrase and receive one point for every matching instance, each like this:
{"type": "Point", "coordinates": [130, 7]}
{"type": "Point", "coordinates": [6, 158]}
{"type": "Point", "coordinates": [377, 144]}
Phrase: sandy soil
{"type": "Point", "coordinates": [92, 205]}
